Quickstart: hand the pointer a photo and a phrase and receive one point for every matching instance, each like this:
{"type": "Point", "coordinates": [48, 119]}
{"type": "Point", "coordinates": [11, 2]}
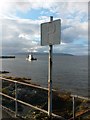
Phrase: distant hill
{"type": "Point", "coordinates": [36, 53]}
{"type": "Point", "coordinates": [63, 54]}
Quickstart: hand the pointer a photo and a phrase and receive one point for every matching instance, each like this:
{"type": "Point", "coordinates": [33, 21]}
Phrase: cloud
{"type": "Point", "coordinates": [57, 6]}
{"type": "Point", "coordinates": [70, 48]}
{"type": "Point", "coordinates": [74, 32]}
{"type": "Point", "coordinates": [21, 35]}
{"type": "Point", "coordinates": [17, 36]}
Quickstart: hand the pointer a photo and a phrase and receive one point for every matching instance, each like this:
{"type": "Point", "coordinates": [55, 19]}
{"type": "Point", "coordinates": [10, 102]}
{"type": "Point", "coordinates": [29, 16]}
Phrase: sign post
{"type": "Point", "coordinates": [50, 35]}
{"type": "Point", "coordinates": [50, 78]}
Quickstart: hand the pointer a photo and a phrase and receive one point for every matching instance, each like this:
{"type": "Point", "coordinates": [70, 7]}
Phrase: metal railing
{"type": "Point", "coordinates": [74, 111]}
{"type": "Point", "coordinates": [22, 102]}
{"type": "Point", "coordinates": [35, 107]}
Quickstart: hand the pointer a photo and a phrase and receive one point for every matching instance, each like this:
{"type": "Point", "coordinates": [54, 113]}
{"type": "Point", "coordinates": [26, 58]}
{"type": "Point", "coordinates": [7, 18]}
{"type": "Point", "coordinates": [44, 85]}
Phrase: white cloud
{"type": "Point", "coordinates": [74, 31]}
{"type": "Point", "coordinates": [54, 6]}
{"type": "Point", "coordinates": [24, 34]}
{"type": "Point", "coordinates": [17, 36]}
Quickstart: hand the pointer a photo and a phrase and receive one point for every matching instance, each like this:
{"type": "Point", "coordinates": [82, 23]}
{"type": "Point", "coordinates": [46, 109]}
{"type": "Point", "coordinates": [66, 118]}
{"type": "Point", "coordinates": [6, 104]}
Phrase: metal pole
{"type": "Point", "coordinates": [15, 99]}
{"type": "Point", "coordinates": [73, 108]}
{"type": "Point", "coordinates": [50, 78]}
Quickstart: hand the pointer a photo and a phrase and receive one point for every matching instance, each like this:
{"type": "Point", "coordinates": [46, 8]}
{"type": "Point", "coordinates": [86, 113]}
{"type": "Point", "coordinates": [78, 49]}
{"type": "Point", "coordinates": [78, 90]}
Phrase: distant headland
{"type": "Point", "coordinates": [44, 53]}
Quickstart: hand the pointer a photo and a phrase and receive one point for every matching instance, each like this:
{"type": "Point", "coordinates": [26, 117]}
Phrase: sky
{"type": "Point", "coordinates": [20, 22]}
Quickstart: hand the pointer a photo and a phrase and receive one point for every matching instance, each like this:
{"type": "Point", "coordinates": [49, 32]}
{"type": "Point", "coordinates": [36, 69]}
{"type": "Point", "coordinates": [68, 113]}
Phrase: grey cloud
{"type": "Point", "coordinates": [76, 49]}
{"type": "Point", "coordinates": [11, 31]}
{"type": "Point", "coordinates": [71, 29]}
{"type": "Point", "coordinates": [12, 42]}
{"type": "Point", "coordinates": [75, 32]}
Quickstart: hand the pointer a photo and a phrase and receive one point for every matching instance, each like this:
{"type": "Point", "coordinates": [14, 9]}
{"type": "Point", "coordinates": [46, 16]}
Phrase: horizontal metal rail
{"type": "Point", "coordinates": [9, 111]}
{"type": "Point", "coordinates": [23, 83]}
{"type": "Point", "coordinates": [39, 87]}
{"type": "Point", "coordinates": [81, 97]}
{"type": "Point", "coordinates": [29, 105]}
{"type": "Point", "coordinates": [30, 85]}
{"type": "Point", "coordinates": [81, 114]}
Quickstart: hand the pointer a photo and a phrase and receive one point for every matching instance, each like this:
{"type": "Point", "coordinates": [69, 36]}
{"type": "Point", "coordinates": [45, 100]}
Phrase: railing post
{"type": "Point", "coordinates": [16, 110]}
{"type": "Point", "coordinates": [73, 108]}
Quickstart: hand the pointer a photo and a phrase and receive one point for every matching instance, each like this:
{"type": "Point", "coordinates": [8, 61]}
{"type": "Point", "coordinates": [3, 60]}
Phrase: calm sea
{"type": "Point", "coordinates": [70, 73]}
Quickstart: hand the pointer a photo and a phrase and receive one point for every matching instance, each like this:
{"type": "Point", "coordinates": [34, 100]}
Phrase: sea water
{"type": "Point", "coordinates": [70, 73]}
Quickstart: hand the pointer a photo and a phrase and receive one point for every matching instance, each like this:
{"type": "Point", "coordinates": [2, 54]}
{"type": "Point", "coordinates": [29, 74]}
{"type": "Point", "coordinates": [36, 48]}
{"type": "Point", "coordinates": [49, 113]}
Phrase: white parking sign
{"type": "Point", "coordinates": [51, 33]}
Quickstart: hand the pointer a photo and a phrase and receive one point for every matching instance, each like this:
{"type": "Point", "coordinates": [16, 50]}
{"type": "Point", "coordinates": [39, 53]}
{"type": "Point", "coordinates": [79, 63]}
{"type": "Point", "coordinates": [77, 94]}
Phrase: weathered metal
{"type": "Point", "coordinates": [23, 83]}
{"type": "Point", "coordinates": [50, 79]}
{"type": "Point", "coordinates": [38, 87]}
{"type": "Point", "coordinates": [29, 105]}
{"type": "Point", "coordinates": [51, 32]}
{"type": "Point", "coordinates": [73, 107]}
{"type": "Point", "coordinates": [16, 107]}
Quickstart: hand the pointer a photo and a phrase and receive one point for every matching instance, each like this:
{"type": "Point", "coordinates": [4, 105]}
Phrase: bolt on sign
{"type": "Point", "coordinates": [51, 33]}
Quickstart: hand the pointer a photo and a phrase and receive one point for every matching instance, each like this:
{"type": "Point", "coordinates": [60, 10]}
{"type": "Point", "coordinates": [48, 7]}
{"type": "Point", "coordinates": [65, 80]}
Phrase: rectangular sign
{"type": "Point", "coordinates": [51, 33]}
